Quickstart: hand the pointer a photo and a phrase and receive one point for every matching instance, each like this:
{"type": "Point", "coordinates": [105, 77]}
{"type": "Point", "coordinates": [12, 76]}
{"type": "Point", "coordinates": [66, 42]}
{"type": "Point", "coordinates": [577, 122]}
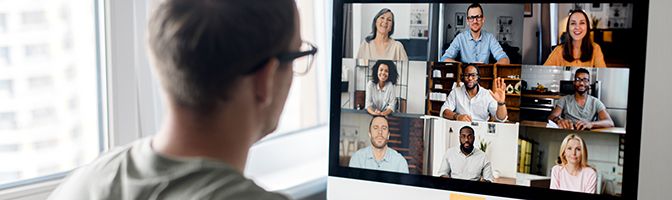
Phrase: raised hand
{"type": "Point", "coordinates": [498, 91]}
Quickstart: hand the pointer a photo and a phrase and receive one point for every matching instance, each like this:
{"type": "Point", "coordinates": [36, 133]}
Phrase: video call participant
{"type": "Point", "coordinates": [381, 93]}
{"type": "Point", "coordinates": [465, 161]}
{"type": "Point", "coordinates": [471, 102]}
{"type": "Point", "coordinates": [573, 173]}
{"type": "Point", "coordinates": [577, 49]}
{"type": "Point", "coordinates": [225, 85]}
{"type": "Point", "coordinates": [379, 156]}
{"type": "Point", "coordinates": [476, 44]}
{"type": "Point", "coordinates": [577, 111]}
{"type": "Point", "coordinates": [380, 45]}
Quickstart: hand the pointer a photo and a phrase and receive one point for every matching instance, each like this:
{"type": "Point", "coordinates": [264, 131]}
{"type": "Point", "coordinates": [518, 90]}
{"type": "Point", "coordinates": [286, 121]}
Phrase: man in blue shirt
{"type": "Point", "coordinates": [379, 156]}
{"type": "Point", "coordinates": [476, 45]}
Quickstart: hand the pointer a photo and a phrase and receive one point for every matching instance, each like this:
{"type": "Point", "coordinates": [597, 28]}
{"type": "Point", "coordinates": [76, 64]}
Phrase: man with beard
{"type": "Point", "coordinates": [580, 111]}
{"type": "Point", "coordinates": [475, 45]}
{"type": "Point", "coordinates": [471, 102]}
{"type": "Point", "coordinates": [465, 162]}
{"type": "Point", "coordinates": [378, 156]}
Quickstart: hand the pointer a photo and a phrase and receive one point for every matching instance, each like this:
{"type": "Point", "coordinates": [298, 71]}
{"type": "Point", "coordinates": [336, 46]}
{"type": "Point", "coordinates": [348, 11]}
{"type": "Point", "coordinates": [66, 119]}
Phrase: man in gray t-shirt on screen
{"type": "Point", "coordinates": [580, 111]}
{"type": "Point", "coordinates": [226, 68]}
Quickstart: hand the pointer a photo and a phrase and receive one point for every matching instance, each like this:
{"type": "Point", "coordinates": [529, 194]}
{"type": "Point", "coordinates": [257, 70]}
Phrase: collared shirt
{"type": "Point", "coordinates": [136, 171]}
{"type": "Point", "coordinates": [392, 161]}
{"type": "Point", "coordinates": [572, 111]}
{"type": "Point", "coordinates": [477, 107]}
{"type": "Point", "coordinates": [469, 167]}
{"type": "Point", "coordinates": [472, 51]}
{"type": "Point", "coordinates": [381, 98]}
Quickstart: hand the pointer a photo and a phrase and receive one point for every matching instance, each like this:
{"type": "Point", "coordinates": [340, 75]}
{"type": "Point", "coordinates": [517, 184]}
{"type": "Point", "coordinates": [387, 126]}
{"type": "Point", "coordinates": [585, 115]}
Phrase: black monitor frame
{"type": "Point", "coordinates": [632, 136]}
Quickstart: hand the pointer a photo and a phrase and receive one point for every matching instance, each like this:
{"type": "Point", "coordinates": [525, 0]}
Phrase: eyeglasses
{"type": "Point", "coordinates": [470, 75]}
{"type": "Point", "coordinates": [585, 80]}
{"type": "Point", "coordinates": [475, 17]}
{"type": "Point", "coordinates": [302, 59]}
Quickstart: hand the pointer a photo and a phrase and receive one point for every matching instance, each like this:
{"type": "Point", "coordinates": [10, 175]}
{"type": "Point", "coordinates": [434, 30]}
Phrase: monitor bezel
{"type": "Point", "coordinates": [632, 136]}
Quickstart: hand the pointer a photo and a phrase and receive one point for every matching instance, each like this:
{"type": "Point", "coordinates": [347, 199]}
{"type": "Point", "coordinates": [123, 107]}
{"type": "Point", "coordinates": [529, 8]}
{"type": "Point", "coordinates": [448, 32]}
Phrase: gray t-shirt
{"type": "Point", "coordinates": [572, 111]}
{"type": "Point", "coordinates": [136, 171]}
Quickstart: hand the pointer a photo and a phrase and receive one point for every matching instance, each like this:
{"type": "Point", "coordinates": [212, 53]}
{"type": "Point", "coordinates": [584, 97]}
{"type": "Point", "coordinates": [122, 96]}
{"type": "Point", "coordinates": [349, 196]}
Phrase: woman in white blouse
{"type": "Point", "coordinates": [381, 96]}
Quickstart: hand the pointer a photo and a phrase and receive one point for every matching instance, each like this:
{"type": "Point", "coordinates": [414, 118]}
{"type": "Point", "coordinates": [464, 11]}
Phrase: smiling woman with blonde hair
{"type": "Point", "coordinates": [573, 173]}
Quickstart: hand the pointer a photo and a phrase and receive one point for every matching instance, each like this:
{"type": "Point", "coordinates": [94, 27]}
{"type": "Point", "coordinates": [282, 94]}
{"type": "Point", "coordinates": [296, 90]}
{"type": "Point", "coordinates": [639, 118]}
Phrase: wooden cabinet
{"type": "Point", "coordinates": [440, 79]}
{"type": "Point", "coordinates": [440, 83]}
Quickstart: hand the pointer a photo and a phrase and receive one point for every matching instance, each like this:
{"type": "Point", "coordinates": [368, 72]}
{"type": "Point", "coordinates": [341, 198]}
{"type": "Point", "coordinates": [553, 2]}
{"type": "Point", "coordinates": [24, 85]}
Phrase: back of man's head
{"type": "Point", "coordinates": [202, 47]}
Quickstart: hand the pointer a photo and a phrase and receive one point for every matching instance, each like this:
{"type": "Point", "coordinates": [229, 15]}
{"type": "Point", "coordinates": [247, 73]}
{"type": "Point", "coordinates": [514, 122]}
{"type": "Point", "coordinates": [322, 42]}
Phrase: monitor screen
{"type": "Point", "coordinates": [520, 100]}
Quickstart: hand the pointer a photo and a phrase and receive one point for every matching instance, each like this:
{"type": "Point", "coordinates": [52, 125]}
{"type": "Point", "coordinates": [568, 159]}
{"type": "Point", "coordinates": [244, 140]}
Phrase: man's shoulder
{"type": "Point", "coordinates": [361, 153]}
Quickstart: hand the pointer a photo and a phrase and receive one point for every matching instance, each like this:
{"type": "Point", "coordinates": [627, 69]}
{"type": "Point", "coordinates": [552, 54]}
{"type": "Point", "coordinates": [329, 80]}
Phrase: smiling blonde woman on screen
{"type": "Point", "coordinates": [573, 172]}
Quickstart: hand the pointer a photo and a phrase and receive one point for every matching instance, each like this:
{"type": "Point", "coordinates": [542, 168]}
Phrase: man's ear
{"type": "Point", "coordinates": [263, 82]}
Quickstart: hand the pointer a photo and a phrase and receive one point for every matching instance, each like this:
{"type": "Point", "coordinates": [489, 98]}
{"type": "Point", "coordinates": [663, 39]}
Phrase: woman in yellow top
{"type": "Point", "coordinates": [578, 50]}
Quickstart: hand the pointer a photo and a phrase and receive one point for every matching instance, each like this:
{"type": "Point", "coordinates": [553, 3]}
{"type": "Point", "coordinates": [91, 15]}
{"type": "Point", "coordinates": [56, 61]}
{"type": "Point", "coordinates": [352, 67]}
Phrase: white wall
{"type": "Point", "coordinates": [655, 160]}
{"type": "Point", "coordinates": [417, 87]}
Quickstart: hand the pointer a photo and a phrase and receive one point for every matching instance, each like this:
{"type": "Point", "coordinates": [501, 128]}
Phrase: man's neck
{"type": "Point", "coordinates": [226, 137]}
{"type": "Point", "coordinates": [473, 91]}
{"type": "Point", "coordinates": [579, 96]}
{"type": "Point", "coordinates": [379, 153]}
{"type": "Point", "coordinates": [475, 35]}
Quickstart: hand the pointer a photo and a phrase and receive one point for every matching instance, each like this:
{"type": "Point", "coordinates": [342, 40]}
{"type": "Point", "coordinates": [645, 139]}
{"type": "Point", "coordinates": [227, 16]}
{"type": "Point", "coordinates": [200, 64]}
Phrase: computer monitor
{"type": "Point", "coordinates": [530, 99]}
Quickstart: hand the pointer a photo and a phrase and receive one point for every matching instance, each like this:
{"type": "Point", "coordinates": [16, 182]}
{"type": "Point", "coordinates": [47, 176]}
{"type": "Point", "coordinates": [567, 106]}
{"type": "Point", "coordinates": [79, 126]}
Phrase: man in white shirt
{"type": "Point", "coordinates": [466, 162]}
{"type": "Point", "coordinates": [471, 102]}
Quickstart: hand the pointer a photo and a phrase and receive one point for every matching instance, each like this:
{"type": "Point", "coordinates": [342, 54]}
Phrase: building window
{"type": "Point", "coordinates": [4, 56]}
{"type": "Point", "coordinates": [63, 37]}
{"type": "Point", "coordinates": [35, 51]}
{"type": "Point", "coordinates": [3, 22]}
{"type": "Point", "coordinates": [31, 18]}
{"type": "Point", "coordinates": [7, 121]}
{"type": "Point", "coordinates": [6, 89]}
{"type": "Point", "coordinates": [40, 82]}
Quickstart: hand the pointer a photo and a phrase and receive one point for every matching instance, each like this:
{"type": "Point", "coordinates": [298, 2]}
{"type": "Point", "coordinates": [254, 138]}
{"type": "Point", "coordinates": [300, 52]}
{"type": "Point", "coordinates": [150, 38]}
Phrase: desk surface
{"type": "Point", "coordinates": [615, 130]}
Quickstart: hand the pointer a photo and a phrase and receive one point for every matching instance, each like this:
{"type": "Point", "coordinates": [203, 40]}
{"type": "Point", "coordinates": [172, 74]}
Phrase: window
{"type": "Point", "coordinates": [306, 103]}
{"type": "Point", "coordinates": [50, 117]}
{"type": "Point", "coordinates": [3, 22]}
{"type": "Point", "coordinates": [37, 51]}
{"type": "Point", "coordinates": [30, 18]}
{"type": "Point", "coordinates": [4, 56]}
{"type": "Point", "coordinates": [6, 88]}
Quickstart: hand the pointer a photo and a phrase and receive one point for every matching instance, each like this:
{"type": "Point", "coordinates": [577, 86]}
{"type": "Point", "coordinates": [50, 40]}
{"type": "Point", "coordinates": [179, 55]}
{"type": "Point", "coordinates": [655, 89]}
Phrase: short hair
{"type": "Point", "coordinates": [581, 71]}
{"type": "Point", "coordinates": [468, 128]}
{"type": "Point", "coordinates": [201, 48]}
{"type": "Point", "coordinates": [374, 30]}
{"type": "Point", "coordinates": [586, 42]}
{"type": "Point", "coordinates": [476, 5]}
{"type": "Point", "coordinates": [584, 150]}
{"type": "Point", "coordinates": [393, 74]}
{"type": "Point", "coordinates": [374, 117]}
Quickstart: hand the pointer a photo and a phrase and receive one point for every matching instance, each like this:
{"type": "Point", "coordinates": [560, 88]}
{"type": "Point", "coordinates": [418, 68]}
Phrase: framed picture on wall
{"type": "Point", "coordinates": [527, 10]}
{"type": "Point", "coordinates": [459, 19]}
